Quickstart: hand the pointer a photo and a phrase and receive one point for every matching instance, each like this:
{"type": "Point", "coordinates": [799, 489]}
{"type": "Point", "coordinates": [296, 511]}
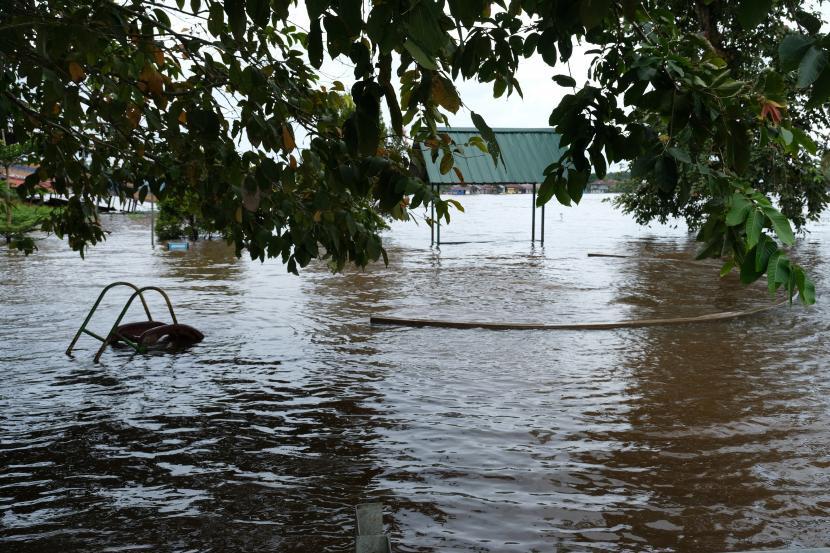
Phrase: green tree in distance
{"type": "Point", "coordinates": [17, 218]}
{"type": "Point", "coordinates": [207, 95]}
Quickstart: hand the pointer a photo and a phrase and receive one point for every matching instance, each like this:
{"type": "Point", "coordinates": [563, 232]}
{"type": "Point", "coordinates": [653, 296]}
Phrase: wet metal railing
{"type": "Point", "coordinates": [113, 333]}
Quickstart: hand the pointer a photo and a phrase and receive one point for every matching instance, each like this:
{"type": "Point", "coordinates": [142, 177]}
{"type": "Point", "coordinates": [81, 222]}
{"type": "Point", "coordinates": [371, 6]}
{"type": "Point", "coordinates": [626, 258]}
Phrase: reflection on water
{"type": "Point", "coordinates": [262, 438]}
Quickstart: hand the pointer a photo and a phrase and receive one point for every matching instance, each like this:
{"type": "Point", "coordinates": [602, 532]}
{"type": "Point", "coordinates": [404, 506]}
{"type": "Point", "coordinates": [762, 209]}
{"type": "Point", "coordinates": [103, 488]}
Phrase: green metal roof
{"type": "Point", "coordinates": [525, 152]}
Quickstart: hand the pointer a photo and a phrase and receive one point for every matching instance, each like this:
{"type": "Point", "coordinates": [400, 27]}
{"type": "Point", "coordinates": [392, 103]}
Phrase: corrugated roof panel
{"type": "Point", "coordinates": [525, 152]}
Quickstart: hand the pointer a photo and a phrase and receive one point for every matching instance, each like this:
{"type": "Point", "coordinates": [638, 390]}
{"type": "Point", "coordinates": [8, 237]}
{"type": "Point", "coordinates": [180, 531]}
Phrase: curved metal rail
{"type": "Point", "coordinates": [113, 333]}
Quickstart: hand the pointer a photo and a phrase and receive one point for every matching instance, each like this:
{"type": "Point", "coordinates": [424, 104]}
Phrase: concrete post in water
{"type": "Point", "coordinates": [369, 523]}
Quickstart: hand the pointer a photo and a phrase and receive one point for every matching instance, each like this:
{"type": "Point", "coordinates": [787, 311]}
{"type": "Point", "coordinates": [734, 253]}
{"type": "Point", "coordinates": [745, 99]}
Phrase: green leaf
{"type": "Point", "coordinates": [752, 12]}
{"type": "Point", "coordinates": [577, 181]}
{"type": "Point", "coordinates": [350, 12]}
{"type": "Point", "coordinates": [564, 80]}
{"type": "Point", "coordinates": [749, 273]}
{"type": "Point", "coordinates": [786, 135]}
{"type": "Point", "coordinates": [665, 174]}
{"type": "Point", "coordinates": [680, 155]}
{"type": "Point", "coordinates": [592, 12]}
{"type": "Point", "coordinates": [792, 49]}
{"type": "Point", "coordinates": [338, 40]}
{"type": "Point", "coordinates": [419, 55]}
{"type": "Point", "coordinates": [811, 66]}
{"type": "Point", "coordinates": [447, 163]}
{"type": "Point", "coordinates": [488, 135]}
{"type": "Point", "coordinates": [259, 11]}
{"type": "Point", "coordinates": [738, 147]}
{"type": "Point", "coordinates": [547, 189]}
{"type": "Point", "coordinates": [739, 209]}
{"type": "Point", "coordinates": [530, 44]}
{"type": "Point", "coordinates": [561, 193]}
{"type": "Point", "coordinates": [315, 44]}
{"type": "Point", "coordinates": [216, 19]}
{"type": "Point", "coordinates": [316, 8]}
{"type": "Point", "coordinates": [423, 27]}
{"type": "Point", "coordinates": [804, 140]}
{"type": "Point", "coordinates": [806, 288]}
{"type": "Point", "coordinates": [808, 21]}
{"type": "Point", "coordinates": [236, 17]}
{"type": "Point", "coordinates": [766, 247]}
{"type": "Point", "coordinates": [467, 11]}
{"type": "Point", "coordinates": [778, 271]}
{"type": "Point", "coordinates": [821, 90]}
{"type": "Point", "coordinates": [547, 47]}
{"type": "Point", "coordinates": [598, 162]}
{"type": "Point", "coordinates": [754, 226]}
{"type": "Point", "coordinates": [162, 17]}
{"type": "Point", "coordinates": [727, 267]}
{"type": "Point", "coordinates": [781, 225]}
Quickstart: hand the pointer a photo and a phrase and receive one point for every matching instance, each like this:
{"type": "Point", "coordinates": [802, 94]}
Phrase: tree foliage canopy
{"type": "Point", "coordinates": [711, 102]}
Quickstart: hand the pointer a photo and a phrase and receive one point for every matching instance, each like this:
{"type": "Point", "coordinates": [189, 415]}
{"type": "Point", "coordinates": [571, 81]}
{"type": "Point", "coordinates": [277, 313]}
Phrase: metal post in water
{"type": "Point", "coordinates": [438, 232]}
{"type": "Point", "coordinates": [8, 184]}
{"type": "Point", "coordinates": [533, 216]}
{"type": "Point", "coordinates": [542, 241]}
{"type": "Point", "coordinates": [432, 226]}
{"type": "Point", "coordinates": [152, 230]}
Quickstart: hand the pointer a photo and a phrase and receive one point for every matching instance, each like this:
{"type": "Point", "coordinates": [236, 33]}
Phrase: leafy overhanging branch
{"type": "Point", "coordinates": [134, 103]}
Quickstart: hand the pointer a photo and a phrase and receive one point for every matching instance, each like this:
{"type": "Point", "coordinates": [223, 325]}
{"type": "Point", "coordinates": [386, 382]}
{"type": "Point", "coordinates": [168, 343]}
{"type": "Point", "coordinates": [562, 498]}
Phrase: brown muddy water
{"type": "Point", "coordinates": [709, 437]}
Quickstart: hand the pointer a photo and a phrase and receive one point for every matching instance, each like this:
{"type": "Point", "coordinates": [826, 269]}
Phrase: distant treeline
{"type": "Point", "coordinates": [612, 176]}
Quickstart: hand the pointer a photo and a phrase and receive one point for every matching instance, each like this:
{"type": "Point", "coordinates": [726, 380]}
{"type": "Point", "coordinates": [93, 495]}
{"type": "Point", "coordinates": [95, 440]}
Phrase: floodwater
{"type": "Point", "coordinates": [693, 438]}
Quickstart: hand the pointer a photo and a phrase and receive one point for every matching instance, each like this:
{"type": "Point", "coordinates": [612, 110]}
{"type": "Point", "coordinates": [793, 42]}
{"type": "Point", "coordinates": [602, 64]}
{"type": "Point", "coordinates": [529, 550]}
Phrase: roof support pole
{"type": "Point", "coordinates": [542, 241]}
{"type": "Point", "coordinates": [432, 216]}
{"type": "Point", "coordinates": [533, 215]}
{"type": "Point", "coordinates": [438, 231]}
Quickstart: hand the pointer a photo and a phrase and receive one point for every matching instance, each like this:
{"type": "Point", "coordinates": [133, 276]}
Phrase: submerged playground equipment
{"type": "Point", "coordinates": [140, 335]}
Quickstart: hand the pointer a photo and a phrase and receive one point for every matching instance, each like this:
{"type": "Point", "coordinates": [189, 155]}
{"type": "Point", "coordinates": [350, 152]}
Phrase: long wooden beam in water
{"type": "Point", "coordinates": [610, 325]}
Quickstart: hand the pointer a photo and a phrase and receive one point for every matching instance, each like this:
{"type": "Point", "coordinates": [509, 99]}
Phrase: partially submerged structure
{"type": "Point", "coordinates": [525, 153]}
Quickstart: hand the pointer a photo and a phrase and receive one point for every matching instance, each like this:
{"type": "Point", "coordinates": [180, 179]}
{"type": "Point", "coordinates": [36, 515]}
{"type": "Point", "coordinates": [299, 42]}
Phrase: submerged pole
{"type": "Point", "coordinates": [432, 216]}
{"type": "Point", "coordinates": [533, 216]}
{"type": "Point", "coordinates": [152, 230]}
{"type": "Point", "coordinates": [438, 231]}
{"type": "Point", "coordinates": [542, 241]}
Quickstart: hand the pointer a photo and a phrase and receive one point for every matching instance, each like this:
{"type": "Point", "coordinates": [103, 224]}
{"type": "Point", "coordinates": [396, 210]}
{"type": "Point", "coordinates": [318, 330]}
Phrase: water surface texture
{"type": "Point", "coordinates": [694, 438]}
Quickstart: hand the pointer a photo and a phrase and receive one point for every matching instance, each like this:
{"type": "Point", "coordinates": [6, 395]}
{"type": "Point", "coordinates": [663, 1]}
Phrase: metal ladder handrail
{"type": "Point", "coordinates": [113, 331]}
{"type": "Point", "coordinates": [105, 341]}
{"type": "Point", "coordinates": [95, 306]}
